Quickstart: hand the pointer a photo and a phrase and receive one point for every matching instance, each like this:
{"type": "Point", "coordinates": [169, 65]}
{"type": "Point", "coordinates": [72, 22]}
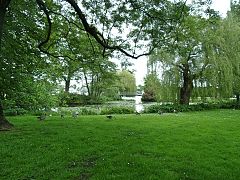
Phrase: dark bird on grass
{"type": "Point", "coordinates": [62, 115]}
{"type": "Point", "coordinates": [109, 116]}
{"type": "Point", "coordinates": [74, 114]}
{"type": "Point", "coordinates": [160, 112]}
{"type": "Point", "coordinates": [137, 113]}
{"type": "Point", "coordinates": [42, 117]}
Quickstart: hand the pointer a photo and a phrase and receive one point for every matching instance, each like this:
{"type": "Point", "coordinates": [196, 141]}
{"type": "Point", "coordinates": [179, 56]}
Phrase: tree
{"type": "Point", "coordinates": [151, 87]}
{"type": "Point", "coordinates": [99, 76]}
{"type": "Point", "coordinates": [126, 83]}
{"type": "Point", "coordinates": [228, 50]}
{"type": "Point", "coordinates": [136, 14]}
{"type": "Point", "coordinates": [187, 57]}
{"type": "Point", "coordinates": [17, 64]}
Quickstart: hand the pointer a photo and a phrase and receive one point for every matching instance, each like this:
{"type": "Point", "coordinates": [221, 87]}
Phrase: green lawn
{"type": "Point", "coordinates": [196, 145]}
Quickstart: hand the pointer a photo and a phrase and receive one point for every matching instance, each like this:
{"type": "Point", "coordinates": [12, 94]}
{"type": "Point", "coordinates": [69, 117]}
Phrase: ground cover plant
{"type": "Point", "coordinates": [192, 145]}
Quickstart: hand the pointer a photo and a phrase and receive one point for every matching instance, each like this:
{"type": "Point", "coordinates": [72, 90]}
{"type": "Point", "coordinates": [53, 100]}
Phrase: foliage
{"type": "Point", "coordinates": [171, 108]}
{"type": "Point", "coordinates": [73, 99]}
{"type": "Point", "coordinates": [228, 44]}
{"type": "Point", "coordinates": [88, 111]}
{"type": "Point", "coordinates": [229, 105]}
{"type": "Point", "coordinates": [149, 21]}
{"type": "Point", "coordinates": [148, 96]}
{"type": "Point", "coordinates": [126, 83]}
{"type": "Point", "coordinates": [11, 109]}
{"type": "Point", "coordinates": [74, 40]}
{"type": "Point", "coordinates": [33, 95]}
{"type": "Point", "coordinates": [99, 77]}
{"type": "Point", "coordinates": [23, 78]}
{"type": "Point", "coordinates": [151, 87]}
{"type": "Point", "coordinates": [111, 93]}
{"type": "Point", "coordinates": [183, 61]}
{"type": "Point", "coordinates": [15, 111]}
{"type": "Point", "coordinates": [118, 110]}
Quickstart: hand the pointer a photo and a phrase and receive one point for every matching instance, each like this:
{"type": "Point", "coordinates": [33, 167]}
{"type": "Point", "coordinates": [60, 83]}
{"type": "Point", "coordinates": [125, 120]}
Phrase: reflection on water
{"type": "Point", "coordinates": [138, 104]}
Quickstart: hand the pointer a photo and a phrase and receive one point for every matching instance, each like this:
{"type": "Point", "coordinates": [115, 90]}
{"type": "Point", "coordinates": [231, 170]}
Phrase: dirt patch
{"type": "Point", "coordinates": [83, 176]}
{"type": "Point", "coordinates": [89, 162]}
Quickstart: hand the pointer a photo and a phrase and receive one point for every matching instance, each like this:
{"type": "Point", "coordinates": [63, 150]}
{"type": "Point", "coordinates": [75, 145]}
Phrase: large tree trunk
{"type": "Point", "coordinates": [185, 94]}
{"type": "Point", "coordinates": [87, 85]}
{"type": "Point", "coordinates": [2, 15]}
{"type": "Point", "coordinates": [3, 8]}
{"type": "Point", "coordinates": [67, 85]}
{"type": "Point", "coordinates": [186, 90]}
{"type": "Point", "coordinates": [67, 80]}
{"type": "Point", "coordinates": [4, 124]}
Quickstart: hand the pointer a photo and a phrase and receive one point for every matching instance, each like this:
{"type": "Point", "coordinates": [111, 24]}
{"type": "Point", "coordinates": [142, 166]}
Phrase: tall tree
{"type": "Point", "coordinates": [16, 63]}
{"type": "Point", "coordinates": [147, 19]}
{"type": "Point", "coordinates": [98, 76]}
{"type": "Point", "coordinates": [127, 83]}
{"type": "Point", "coordinates": [151, 87]}
{"type": "Point", "coordinates": [186, 58]}
{"type": "Point", "coordinates": [4, 124]}
{"type": "Point", "coordinates": [228, 50]}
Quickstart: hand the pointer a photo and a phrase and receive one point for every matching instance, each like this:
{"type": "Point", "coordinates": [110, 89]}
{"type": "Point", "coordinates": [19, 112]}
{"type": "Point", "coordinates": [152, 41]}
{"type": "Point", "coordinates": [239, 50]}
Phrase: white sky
{"type": "Point", "coordinates": [140, 65]}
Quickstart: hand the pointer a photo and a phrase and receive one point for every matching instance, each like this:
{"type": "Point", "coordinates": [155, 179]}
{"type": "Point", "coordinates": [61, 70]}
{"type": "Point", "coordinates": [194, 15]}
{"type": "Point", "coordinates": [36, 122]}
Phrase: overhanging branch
{"type": "Point", "coordinates": [98, 36]}
{"type": "Point", "coordinates": [42, 6]}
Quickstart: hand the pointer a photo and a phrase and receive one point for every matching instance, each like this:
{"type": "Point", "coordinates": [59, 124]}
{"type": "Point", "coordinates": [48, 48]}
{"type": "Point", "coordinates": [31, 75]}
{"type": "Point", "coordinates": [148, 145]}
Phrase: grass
{"type": "Point", "coordinates": [195, 145]}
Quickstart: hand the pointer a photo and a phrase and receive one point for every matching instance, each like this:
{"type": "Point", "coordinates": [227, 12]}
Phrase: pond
{"type": "Point", "coordinates": [134, 102]}
{"type": "Point", "coordinates": [137, 102]}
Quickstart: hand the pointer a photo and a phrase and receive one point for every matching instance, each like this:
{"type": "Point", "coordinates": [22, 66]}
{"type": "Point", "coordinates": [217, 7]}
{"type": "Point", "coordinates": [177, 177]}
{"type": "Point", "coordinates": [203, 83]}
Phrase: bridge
{"type": "Point", "coordinates": [131, 94]}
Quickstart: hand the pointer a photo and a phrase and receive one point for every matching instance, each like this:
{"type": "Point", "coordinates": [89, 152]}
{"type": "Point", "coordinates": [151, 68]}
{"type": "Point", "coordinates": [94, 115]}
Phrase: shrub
{"type": "Point", "coordinates": [118, 110]}
{"type": "Point", "coordinates": [74, 100]}
{"type": "Point", "coordinates": [85, 111]}
{"type": "Point", "coordinates": [15, 111]}
{"type": "Point", "coordinates": [36, 112]}
{"type": "Point", "coordinates": [148, 96]}
{"type": "Point", "coordinates": [169, 108]}
{"type": "Point", "coordinates": [229, 105]}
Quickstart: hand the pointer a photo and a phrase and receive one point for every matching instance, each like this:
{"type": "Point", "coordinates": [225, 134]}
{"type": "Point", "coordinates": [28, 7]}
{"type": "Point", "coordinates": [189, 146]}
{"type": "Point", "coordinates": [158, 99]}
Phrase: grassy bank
{"type": "Point", "coordinates": [194, 145]}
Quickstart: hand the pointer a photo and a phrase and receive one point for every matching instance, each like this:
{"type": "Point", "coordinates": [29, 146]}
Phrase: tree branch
{"type": "Point", "coordinates": [97, 35]}
{"type": "Point", "coordinates": [42, 6]}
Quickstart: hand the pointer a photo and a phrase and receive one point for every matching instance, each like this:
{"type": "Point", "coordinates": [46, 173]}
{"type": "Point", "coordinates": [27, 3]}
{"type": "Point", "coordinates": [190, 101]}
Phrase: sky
{"type": "Point", "coordinates": [140, 65]}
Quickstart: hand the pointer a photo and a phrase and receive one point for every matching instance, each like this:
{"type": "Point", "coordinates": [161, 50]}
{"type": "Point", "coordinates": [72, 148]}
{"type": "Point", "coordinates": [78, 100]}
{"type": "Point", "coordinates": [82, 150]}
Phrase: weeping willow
{"type": "Point", "coordinates": [214, 73]}
{"type": "Point", "coordinates": [166, 89]}
{"type": "Point", "coordinates": [214, 83]}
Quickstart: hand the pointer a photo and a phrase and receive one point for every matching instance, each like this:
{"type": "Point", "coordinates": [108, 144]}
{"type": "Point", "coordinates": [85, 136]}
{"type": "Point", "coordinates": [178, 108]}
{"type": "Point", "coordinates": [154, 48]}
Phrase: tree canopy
{"type": "Point", "coordinates": [46, 42]}
{"type": "Point", "coordinates": [203, 60]}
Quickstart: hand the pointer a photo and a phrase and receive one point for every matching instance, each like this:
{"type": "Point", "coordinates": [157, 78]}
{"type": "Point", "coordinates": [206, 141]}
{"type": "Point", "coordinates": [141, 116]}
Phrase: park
{"type": "Point", "coordinates": [71, 105]}
{"type": "Point", "coordinates": [193, 145]}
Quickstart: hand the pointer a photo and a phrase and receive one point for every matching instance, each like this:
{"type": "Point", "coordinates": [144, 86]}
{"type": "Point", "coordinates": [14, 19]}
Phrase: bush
{"type": "Point", "coordinates": [169, 108]}
{"type": "Point", "coordinates": [15, 111]}
{"type": "Point", "coordinates": [36, 112]}
{"type": "Point", "coordinates": [118, 110]}
{"type": "Point", "coordinates": [229, 105]}
{"type": "Point", "coordinates": [85, 111]}
{"type": "Point", "coordinates": [74, 100]}
{"type": "Point", "coordinates": [148, 97]}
